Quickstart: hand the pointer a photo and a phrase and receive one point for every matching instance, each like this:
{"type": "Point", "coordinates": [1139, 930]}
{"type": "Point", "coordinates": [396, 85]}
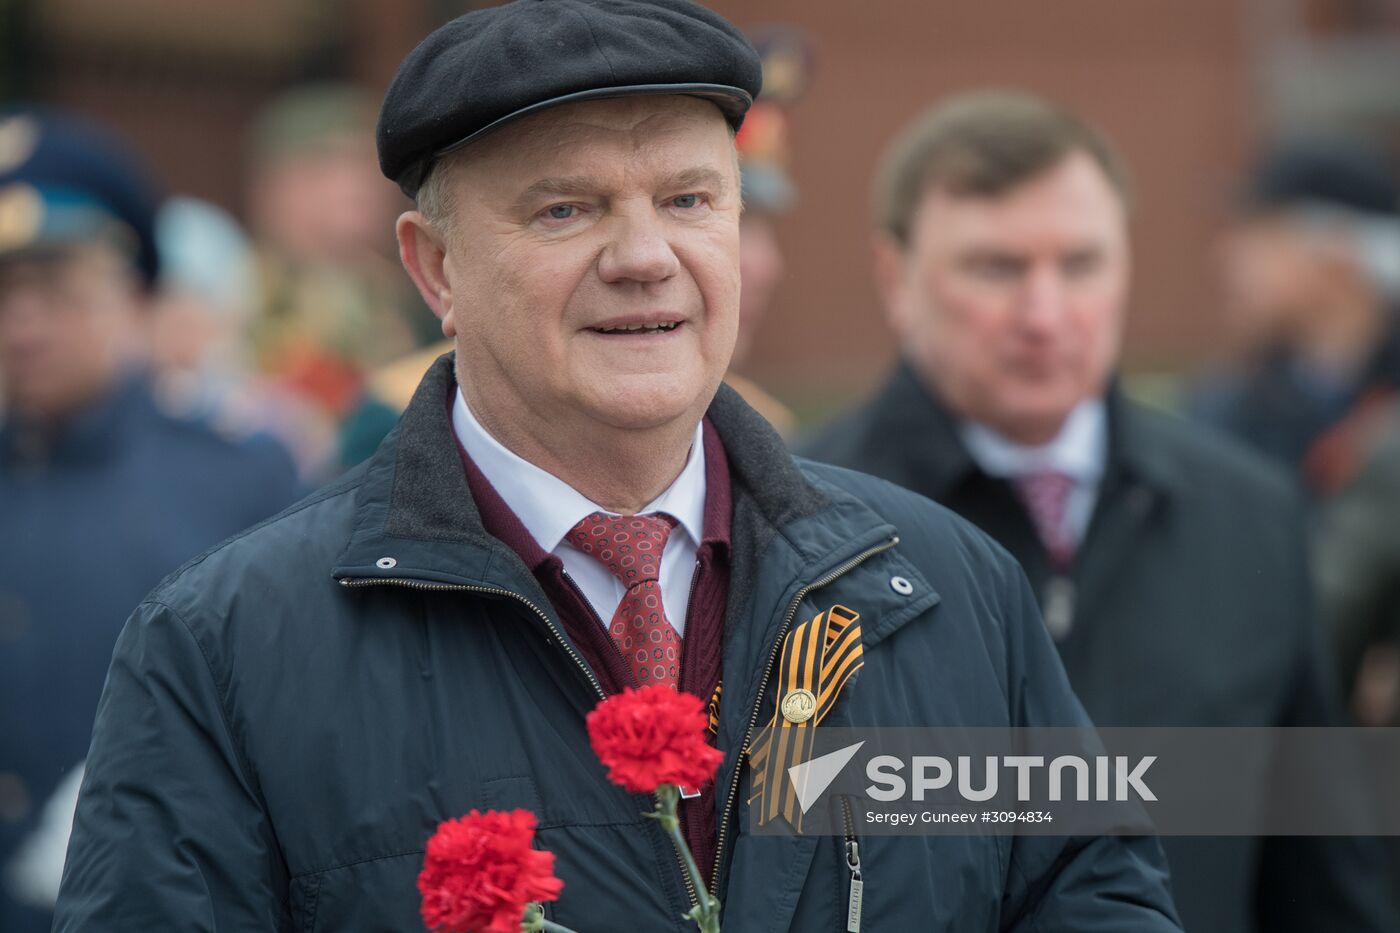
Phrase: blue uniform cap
{"type": "Point", "coordinates": [64, 181]}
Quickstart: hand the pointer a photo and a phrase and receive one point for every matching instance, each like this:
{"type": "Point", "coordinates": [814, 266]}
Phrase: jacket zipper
{"type": "Point", "coordinates": [564, 643]}
{"type": "Point", "coordinates": [490, 591]}
{"type": "Point", "coordinates": [578, 591]}
{"type": "Point", "coordinates": [856, 895]}
{"type": "Point", "coordinates": [763, 688]}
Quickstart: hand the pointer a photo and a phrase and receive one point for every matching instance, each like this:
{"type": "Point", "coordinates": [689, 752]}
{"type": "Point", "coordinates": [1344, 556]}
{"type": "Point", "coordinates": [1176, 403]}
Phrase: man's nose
{"type": "Point", "coordinates": [638, 249]}
{"type": "Point", "coordinates": [1043, 299]}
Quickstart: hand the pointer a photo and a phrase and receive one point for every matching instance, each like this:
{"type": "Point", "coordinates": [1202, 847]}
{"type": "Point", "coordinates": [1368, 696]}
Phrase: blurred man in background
{"type": "Point", "coordinates": [196, 348]}
{"type": "Point", "coordinates": [1170, 567]}
{"type": "Point", "coordinates": [331, 303]}
{"type": "Point", "coordinates": [198, 355]}
{"type": "Point", "coordinates": [1311, 275]}
{"type": "Point", "coordinates": [1311, 272]}
{"type": "Point", "coordinates": [101, 492]}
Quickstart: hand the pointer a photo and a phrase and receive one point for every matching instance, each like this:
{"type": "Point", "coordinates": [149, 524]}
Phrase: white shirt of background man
{"type": "Point", "coordinates": [1080, 451]}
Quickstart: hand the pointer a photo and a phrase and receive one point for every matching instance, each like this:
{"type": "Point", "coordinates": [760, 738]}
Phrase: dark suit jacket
{"type": "Point", "coordinates": [1188, 604]}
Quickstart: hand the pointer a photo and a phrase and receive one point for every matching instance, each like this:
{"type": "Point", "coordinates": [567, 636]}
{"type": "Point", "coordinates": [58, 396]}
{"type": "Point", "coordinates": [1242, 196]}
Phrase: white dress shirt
{"type": "Point", "coordinates": [1080, 451]}
{"type": "Point", "coordinates": [548, 507]}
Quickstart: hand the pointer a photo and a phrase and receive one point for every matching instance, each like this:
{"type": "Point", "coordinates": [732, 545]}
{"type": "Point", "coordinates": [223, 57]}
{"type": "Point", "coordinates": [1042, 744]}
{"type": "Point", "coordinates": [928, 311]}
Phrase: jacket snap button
{"type": "Point", "coordinates": [901, 586]}
{"type": "Point", "coordinates": [386, 563]}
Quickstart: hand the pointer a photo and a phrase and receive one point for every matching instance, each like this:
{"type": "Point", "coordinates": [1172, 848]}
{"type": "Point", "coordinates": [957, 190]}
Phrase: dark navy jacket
{"type": "Point", "coordinates": [1188, 604]}
{"type": "Point", "coordinates": [90, 519]}
{"type": "Point", "coordinates": [289, 717]}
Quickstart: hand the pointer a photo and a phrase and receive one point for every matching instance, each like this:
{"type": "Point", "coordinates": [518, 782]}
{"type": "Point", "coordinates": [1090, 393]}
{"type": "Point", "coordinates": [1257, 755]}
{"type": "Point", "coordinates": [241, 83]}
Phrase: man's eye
{"type": "Point", "coordinates": [1081, 264]}
{"type": "Point", "coordinates": [686, 201]}
{"type": "Point", "coordinates": [561, 211]}
{"type": "Point", "coordinates": [995, 268]}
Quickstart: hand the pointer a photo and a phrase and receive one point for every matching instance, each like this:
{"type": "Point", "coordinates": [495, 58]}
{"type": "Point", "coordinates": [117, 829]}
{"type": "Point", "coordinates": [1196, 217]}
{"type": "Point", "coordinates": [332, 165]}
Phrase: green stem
{"type": "Point", "coordinates": [707, 917]}
{"type": "Point", "coordinates": [535, 921]}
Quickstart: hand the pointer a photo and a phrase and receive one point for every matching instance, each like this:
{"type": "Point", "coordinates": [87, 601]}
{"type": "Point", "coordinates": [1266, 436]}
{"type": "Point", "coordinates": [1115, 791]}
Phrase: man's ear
{"type": "Point", "coordinates": [424, 255]}
{"type": "Point", "coordinates": [891, 285]}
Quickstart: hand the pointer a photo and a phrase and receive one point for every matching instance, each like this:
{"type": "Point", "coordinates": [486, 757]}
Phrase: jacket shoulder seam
{"type": "Point", "coordinates": [245, 766]}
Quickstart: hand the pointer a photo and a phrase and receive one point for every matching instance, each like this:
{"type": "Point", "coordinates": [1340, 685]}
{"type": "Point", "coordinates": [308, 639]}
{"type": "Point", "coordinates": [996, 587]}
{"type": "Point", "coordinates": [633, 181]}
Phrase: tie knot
{"type": "Point", "coordinates": [1045, 485]}
{"type": "Point", "coordinates": [629, 546]}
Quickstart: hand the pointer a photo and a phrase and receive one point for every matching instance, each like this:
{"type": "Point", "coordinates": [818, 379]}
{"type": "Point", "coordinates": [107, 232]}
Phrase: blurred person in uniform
{"type": "Point", "coordinates": [102, 493]}
{"type": "Point", "coordinates": [331, 304]}
{"type": "Point", "coordinates": [1357, 561]}
{"type": "Point", "coordinates": [768, 192]}
{"type": "Point", "coordinates": [196, 352]}
{"type": "Point", "coordinates": [1311, 275]}
{"type": "Point", "coordinates": [1170, 566]}
{"type": "Point", "coordinates": [198, 355]}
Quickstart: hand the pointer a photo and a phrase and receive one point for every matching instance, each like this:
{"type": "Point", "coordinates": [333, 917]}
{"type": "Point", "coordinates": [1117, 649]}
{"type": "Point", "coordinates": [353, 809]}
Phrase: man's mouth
{"type": "Point", "coordinates": [660, 328]}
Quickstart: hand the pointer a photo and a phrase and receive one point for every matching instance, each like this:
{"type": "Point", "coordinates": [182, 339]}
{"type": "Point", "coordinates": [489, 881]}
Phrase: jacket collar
{"type": "Point", "coordinates": [939, 462]}
{"type": "Point", "coordinates": [415, 516]}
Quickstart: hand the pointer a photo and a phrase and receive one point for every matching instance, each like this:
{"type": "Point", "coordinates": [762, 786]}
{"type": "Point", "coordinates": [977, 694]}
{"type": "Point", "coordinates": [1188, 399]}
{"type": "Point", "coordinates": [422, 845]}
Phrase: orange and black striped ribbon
{"type": "Point", "coordinates": [818, 656]}
{"type": "Point", "coordinates": [714, 708]}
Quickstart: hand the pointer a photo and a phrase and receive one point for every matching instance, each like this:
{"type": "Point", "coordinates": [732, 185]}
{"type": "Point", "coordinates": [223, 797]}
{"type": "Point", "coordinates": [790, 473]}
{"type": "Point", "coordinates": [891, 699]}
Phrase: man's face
{"type": "Point", "coordinates": [1011, 306]}
{"type": "Point", "coordinates": [68, 324]}
{"type": "Point", "coordinates": [592, 265]}
{"type": "Point", "coordinates": [1275, 274]}
{"type": "Point", "coordinates": [326, 205]}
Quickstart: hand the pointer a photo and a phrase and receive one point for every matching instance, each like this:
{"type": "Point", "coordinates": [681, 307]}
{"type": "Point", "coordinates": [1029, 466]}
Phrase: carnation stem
{"type": "Point", "coordinates": [706, 914]}
{"type": "Point", "coordinates": [535, 921]}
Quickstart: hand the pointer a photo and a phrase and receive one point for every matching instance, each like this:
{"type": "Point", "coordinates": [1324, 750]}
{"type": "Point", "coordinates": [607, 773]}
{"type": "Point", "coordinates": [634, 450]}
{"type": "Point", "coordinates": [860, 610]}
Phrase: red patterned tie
{"type": "Point", "coordinates": [630, 546]}
{"type": "Point", "coordinates": [1045, 494]}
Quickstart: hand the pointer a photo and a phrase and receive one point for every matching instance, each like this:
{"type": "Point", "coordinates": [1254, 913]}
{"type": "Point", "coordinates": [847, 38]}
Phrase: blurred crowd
{"type": "Point", "coordinates": [171, 374]}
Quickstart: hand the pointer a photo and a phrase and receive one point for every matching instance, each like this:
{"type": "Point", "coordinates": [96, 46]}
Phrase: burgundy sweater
{"type": "Point", "coordinates": [704, 622]}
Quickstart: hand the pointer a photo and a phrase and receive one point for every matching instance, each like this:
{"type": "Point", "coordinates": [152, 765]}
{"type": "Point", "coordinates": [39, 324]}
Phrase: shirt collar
{"type": "Point", "coordinates": [547, 506]}
{"type": "Point", "coordinates": [1079, 450]}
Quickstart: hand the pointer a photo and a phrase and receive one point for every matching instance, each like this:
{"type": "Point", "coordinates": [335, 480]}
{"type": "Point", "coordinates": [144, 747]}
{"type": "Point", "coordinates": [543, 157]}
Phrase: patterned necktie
{"type": "Point", "coordinates": [630, 547]}
{"type": "Point", "coordinates": [1045, 494]}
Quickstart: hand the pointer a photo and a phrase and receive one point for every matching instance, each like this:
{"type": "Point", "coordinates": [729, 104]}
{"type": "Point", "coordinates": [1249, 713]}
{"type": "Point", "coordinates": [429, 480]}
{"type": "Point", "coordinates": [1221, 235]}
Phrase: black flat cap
{"type": "Point", "coordinates": [491, 66]}
{"type": "Point", "coordinates": [1340, 172]}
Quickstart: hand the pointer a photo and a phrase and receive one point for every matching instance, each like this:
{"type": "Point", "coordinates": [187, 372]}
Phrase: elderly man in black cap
{"type": "Point", "coordinates": [288, 718]}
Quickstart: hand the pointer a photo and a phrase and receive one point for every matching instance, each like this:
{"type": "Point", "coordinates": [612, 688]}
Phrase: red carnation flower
{"type": "Point", "coordinates": [481, 871]}
{"type": "Point", "coordinates": [653, 736]}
